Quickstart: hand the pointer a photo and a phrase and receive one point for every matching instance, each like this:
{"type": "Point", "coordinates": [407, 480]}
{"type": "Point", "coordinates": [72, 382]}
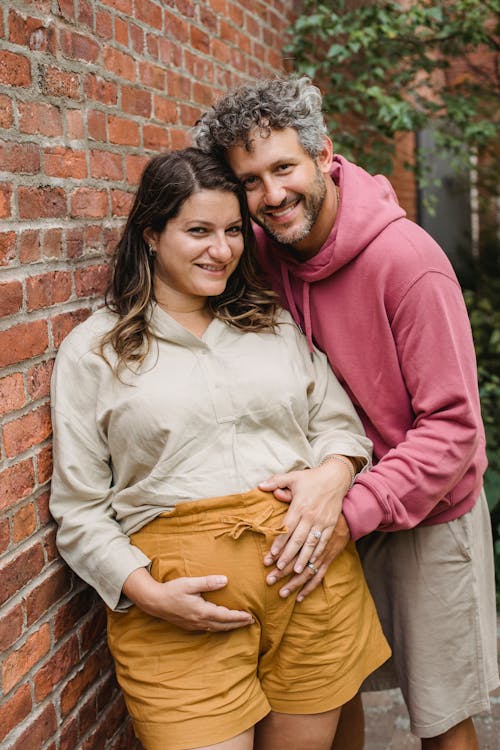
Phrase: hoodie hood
{"type": "Point", "coordinates": [368, 204]}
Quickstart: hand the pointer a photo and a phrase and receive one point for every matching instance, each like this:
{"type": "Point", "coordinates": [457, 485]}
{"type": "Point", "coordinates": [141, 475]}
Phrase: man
{"type": "Point", "coordinates": [377, 294]}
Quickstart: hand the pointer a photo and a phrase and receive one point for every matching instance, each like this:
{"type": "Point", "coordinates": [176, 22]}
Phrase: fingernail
{"type": "Point", "coordinates": [268, 560]}
{"type": "Point", "coordinates": [298, 568]}
{"type": "Point", "coordinates": [271, 580]}
{"type": "Point", "coordinates": [300, 598]}
{"type": "Point", "coordinates": [284, 593]}
{"type": "Point", "coordinates": [280, 564]}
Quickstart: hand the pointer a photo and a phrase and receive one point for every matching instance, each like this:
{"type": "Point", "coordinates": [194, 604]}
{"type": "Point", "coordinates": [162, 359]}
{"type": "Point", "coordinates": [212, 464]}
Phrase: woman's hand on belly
{"type": "Point", "coordinates": [180, 602]}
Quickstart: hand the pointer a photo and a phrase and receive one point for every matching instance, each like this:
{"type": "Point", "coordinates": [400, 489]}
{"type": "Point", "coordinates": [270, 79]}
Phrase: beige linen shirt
{"type": "Point", "coordinates": [200, 418]}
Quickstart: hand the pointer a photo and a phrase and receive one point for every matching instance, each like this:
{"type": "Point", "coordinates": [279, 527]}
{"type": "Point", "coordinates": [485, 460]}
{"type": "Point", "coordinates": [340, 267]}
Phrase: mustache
{"type": "Point", "coordinates": [284, 203]}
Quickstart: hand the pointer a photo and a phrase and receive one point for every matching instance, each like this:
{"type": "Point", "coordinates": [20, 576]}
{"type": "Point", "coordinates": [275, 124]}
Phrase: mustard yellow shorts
{"type": "Point", "coordinates": [188, 689]}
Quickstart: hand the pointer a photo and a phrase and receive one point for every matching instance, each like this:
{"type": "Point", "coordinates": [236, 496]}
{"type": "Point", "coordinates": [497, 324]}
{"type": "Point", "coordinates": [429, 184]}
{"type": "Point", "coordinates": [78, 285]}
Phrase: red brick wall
{"type": "Point", "coordinates": [87, 94]}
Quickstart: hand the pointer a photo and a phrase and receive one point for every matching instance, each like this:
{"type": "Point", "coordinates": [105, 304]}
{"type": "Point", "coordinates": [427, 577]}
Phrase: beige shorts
{"type": "Point", "coordinates": [435, 594]}
{"type": "Point", "coordinates": [186, 689]}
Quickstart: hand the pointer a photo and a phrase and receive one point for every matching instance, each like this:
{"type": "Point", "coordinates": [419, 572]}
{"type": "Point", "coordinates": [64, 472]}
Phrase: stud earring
{"type": "Point", "coordinates": [151, 249]}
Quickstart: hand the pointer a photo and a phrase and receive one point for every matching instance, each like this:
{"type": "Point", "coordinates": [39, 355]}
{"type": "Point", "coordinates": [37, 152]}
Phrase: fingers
{"type": "Point", "coordinates": [197, 585]}
{"type": "Point", "coordinates": [277, 481]}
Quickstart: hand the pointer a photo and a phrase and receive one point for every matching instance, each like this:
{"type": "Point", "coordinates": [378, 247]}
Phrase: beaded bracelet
{"type": "Point", "coordinates": [342, 460]}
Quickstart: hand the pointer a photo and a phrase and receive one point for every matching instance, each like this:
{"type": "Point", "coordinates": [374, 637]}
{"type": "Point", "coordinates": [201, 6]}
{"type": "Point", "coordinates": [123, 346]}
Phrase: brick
{"type": "Point", "coordinates": [31, 32]}
{"type": "Point", "coordinates": [52, 243]}
{"type": "Point", "coordinates": [200, 40]}
{"type": "Point", "coordinates": [38, 380]}
{"type": "Point", "coordinates": [88, 203]}
{"type": "Point", "coordinates": [23, 523]}
{"type": "Point", "coordinates": [165, 110]}
{"type": "Point", "coordinates": [47, 289]}
{"type": "Point", "coordinates": [67, 9]}
{"type": "Point", "coordinates": [16, 482]}
{"type": "Point", "coordinates": [11, 627]}
{"type": "Point", "coordinates": [104, 24]}
{"type": "Point", "coordinates": [65, 162]}
{"type": "Point", "coordinates": [99, 89]}
{"type": "Point", "coordinates": [76, 686]}
{"type": "Point", "coordinates": [189, 115]}
{"type": "Point", "coordinates": [70, 614]}
{"type": "Point", "coordinates": [85, 14]}
{"type": "Point", "coordinates": [178, 86]}
{"type": "Point", "coordinates": [49, 542]}
{"type": "Point", "coordinates": [41, 202]}
{"type": "Point", "coordinates": [25, 432]}
{"type": "Point", "coordinates": [74, 124]}
{"type": "Point", "coordinates": [155, 137]}
{"type": "Point", "coordinates": [7, 247]}
{"type": "Point", "coordinates": [52, 589]}
{"type": "Point", "coordinates": [93, 631]}
{"type": "Point", "coordinates": [123, 132]}
{"type": "Point", "coordinates": [149, 12]}
{"type": "Point", "coordinates": [14, 69]}
{"type": "Point", "coordinates": [40, 728]}
{"type": "Point", "coordinates": [92, 281]}
{"type": "Point", "coordinates": [42, 504]}
{"type": "Point", "coordinates": [44, 464]}
{"type": "Point", "coordinates": [6, 112]}
{"type": "Point", "coordinates": [12, 394]}
{"type": "Point", "coordinates": [69, 734]}
{"type": "Point", "coordinates": [11, 298]}
{"type": "Point", "coordinates": [134, 167]}
{"type": "Point", "coordinates": [106, 165]}
{"type": "Point", "coordinates": [179, 138]}
{"type": "Point", "coordinates": [60, 83]}
{"type": "Point", "coordinates": [96, 124]}
{"type": "Point", "coordinates": [119, 63]}
{"type": "Point", "coordinates": [14, 710]}
{"type": "Point", "coordinates": [78, 46]}
{"type": "Point", "coordinates": [20, 570]}
{"type": "Point", "coordinates": [202, 94]}
{"type": "Point", "coordinates": [5, 200]}
{"type": "Point", "coordinates": [4, 535]}
{"type": "Point", "coordinates": [121, 31]}
{"type": "Point", "coordinates": [19, 662]}
{"type": "Point", "coordinates": [23, 158]}
{"type": "Point", "coordinates": [136, 101]}
{"type": "Point", "coordinates": [136, 38]}
{"type": "Point", "coordinates": [64, 323]}
{"type": "Point", "coordinates": [29, 246]}
{"type": "Point", "coordinates": [39, 118]}
{"type": "Point", "coordinates": [176, 28]}
{"type": "Point", "coordinates": [22, 342]}
{"type": "Point", "coordinates": [152, 75]}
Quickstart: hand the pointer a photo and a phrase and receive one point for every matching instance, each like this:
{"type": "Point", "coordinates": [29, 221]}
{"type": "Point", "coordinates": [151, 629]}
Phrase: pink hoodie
{"type": "Point", "coordinates": [382, 300]}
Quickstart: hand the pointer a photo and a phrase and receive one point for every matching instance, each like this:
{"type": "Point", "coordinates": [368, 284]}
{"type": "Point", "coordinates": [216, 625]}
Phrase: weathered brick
{"type": "Point", "coordinates": [20, 157]}
{"type": "Point", "coordinates": [92, 281]}
{"type": "Point", "coordinates": [64, 323]}
{"type": "Point", "coordinates": [23, 523]}
{"type": "Point", "coordinates": [78, 46]}
{"type": "Point", "coordinates": [46, 289]}
{"type": "Point", "coordinates": [134, 167]}
{"type": "Point", "coordinates": [16, 482]}
{"type": "Point", "coordinates": [7, 247]}
{"type": "Point", "coordinates": [29, 246]}
{"type": "Point", "coordinates": [52, 243]}
{"type": "Point", "coordinates": [5, 200]}
{"type": "Point", "coordinates": [44, 464]}
{"type": "Point", "coordinates": [31, 32]}
{"type": "Point", "coordinates": [25, 432]}
{"type": "Point", "coordinates": [38, 380]}
{"type": "Point", "coordinates": [60, 664]}
{"type": "Point", "coordinates": [152, 76]}
{"type": "Point", "coordinates": [121, 31]}
{"type": "Point", "coordinates": [65, 162]}
{"type": "Point", "coordinates": [123, 132]}
{"type": "Point", "coordinates": [119, 63]}
{"type": "Point", "coordinates": [12, 395]}
{"type": "Point", "coordinates": [22, 342]}
{"type": "Point", "coordinates": [77, 685]}
{"type": "Point", "coordinates": [155, 137]}
{"type": "Point", "coordinates": [23, 568]}
{"type": "Point", "coordinates": [60, 83]}
{"type": "Point", "coordinates": [96, 124]}
{"type": "Point", "coordinates": [70, 613]}
{"type": "Point", "coordinates": [14, 710]}
{"type": "Point", "coordinates": [39, 118]}
{"type": "Point", "coordinates": [89, 203]}
{"type": "Point", "coordinates": [74, 124]}
{"type": "Point", "coordinates": [41, 202]}
{"type": "Point", "coordinates": [104, 24]}
{"type": "Point", "coordinates": [98, 88]}
{"type": "Point", "coordinates": [11, 627]}
{"type": "Point", "coordinates": [121, 202]}
{"type": "Point", "coordinates": [40, 727]}
{"type": "Point", "coordinates": [106, 165]}
{"type": "Point", "coordinates": [51, 590]}
{"type": "Point", "coordinates": [11, 298]}
{"type": "Point", "coordinates": [15, 69]}
{"type": "Point", "coordinates": [136, 101]}
{"type": "Point", "coordinates": [6, 112]}
{"type": "Point", "coordinates": [93, 631]}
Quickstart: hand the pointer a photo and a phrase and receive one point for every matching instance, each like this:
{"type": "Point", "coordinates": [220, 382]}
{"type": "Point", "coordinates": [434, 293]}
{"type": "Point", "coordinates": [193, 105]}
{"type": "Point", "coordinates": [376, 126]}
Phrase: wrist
{"type": "Point", "coordinates": [346, 461]}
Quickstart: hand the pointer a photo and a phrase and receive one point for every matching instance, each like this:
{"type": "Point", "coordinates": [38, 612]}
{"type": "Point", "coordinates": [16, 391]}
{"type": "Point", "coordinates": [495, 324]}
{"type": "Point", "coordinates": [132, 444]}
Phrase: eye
{"type": "Point", "coordinates": [234, 230]}
{"type": "Point", "coordinates": [249, 183]}
{"type": "Point", "coordinates": [283, 167]}
{"type": "Point", "coordinates": [197, 231]}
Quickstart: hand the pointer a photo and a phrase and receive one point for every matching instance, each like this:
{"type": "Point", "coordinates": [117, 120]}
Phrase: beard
{"type": "Point", "coordinates": [312, 201]}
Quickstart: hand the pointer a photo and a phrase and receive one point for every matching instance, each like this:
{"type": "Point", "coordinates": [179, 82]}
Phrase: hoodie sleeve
{"type": "Point", "coordinates": [434, 345]}
{"type": "Point", "coordinates": [89, 537]}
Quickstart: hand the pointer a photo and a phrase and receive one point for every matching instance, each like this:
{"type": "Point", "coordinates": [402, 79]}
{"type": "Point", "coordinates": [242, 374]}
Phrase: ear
{"type": "Point", "coordinates": [150, 237]}
{"type": "Point", "coordinates": [325, 156]}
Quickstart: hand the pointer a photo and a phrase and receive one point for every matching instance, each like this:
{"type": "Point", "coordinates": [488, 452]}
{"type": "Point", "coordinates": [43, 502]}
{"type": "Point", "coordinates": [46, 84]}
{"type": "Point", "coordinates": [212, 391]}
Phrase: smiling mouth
{"type": "Point", "coordinates": [282, 211]}
{"type": "Point", "coordinates": [212, 269]}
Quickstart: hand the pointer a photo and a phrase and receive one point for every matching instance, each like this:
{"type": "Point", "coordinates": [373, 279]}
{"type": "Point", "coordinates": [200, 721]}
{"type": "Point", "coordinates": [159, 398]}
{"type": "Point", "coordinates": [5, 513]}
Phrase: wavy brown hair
{"type": "Point", "coordinates": [167, 182]}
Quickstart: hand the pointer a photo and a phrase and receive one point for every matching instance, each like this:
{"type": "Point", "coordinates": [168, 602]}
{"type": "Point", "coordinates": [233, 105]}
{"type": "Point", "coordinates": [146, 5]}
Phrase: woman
{"type": "Point", "coordinates": [169, 406]}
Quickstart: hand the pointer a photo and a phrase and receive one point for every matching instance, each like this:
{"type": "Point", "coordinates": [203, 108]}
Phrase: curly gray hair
{"type": "Point", "coordinates": [266, 105]}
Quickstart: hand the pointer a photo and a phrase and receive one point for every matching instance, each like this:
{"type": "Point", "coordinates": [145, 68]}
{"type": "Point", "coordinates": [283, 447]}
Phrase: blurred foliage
{"type": "Point", "coordinates": [389, 67]}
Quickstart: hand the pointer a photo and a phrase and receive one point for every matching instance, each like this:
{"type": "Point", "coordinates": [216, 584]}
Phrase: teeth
{"type": "Point", "coordinates": [283, 211]}
{"type": "Point", "coordinates": [211, 268]}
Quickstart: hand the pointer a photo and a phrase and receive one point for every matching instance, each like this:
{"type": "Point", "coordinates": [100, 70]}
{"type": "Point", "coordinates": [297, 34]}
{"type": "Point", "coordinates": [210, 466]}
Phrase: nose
{"type": "Point", "coordinates": [274, 192]}
{"type": "Point", "coordinates": [220, 248]}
